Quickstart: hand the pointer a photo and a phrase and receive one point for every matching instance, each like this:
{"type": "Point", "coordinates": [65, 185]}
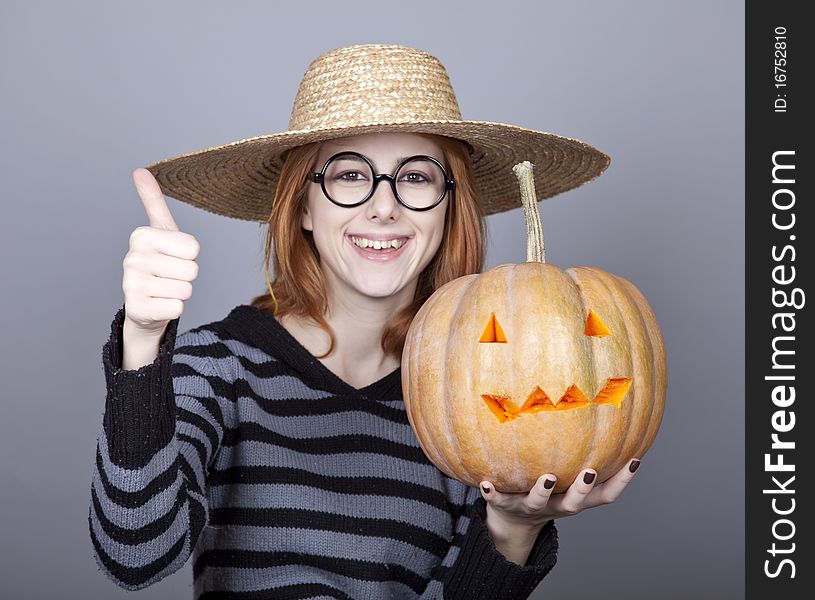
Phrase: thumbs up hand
{"type": "Point", "coordinates": [159, 266]}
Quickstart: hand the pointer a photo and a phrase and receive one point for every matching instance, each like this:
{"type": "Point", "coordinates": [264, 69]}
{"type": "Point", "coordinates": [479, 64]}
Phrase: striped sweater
{"type": "Point", "coordinates": [238, 447]}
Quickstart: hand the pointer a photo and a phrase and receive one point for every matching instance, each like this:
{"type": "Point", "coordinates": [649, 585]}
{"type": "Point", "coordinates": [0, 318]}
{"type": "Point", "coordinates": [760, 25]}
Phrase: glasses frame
{"type": "Point", "coordinates": [449, 182]}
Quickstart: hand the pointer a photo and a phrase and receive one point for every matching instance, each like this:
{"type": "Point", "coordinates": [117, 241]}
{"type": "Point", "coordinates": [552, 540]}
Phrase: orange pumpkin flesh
{"type": "Point", "coordinates": [595, 325]}
{"type": "Point", "coordinates": [528, 369]}
{"type": "Point", "coordinates": [493, 332]}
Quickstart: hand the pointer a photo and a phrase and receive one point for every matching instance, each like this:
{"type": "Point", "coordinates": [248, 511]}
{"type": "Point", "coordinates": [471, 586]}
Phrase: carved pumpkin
{"type": "Point", "coordinates": [528, 369]}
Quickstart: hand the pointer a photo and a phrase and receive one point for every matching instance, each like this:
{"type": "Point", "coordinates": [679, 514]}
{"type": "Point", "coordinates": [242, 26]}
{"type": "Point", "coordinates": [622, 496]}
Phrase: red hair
{"type": "Point", "coordinates": [299, 286]}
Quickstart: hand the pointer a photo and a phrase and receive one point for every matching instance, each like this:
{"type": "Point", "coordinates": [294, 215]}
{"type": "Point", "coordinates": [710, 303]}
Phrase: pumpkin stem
{"type": "Point", "coordinates": [534, 228]}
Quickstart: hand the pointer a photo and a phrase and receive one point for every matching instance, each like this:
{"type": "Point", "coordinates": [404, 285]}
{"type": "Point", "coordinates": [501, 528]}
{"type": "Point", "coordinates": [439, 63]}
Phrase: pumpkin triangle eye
{"type": "Point", "coordinates": [493, 332]}
{"type": "Point", "coordinates": [595, 325]}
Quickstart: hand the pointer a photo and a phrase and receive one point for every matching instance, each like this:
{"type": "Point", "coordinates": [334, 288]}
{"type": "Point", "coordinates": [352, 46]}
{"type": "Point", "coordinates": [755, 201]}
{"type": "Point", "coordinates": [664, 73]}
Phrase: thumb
{"type": "Point", "coordinates": [158, 214]}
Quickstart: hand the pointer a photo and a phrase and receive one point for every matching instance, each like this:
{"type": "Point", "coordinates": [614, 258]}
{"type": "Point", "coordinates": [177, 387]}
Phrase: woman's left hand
{"type": "Point", "coordinates": [513, 514]}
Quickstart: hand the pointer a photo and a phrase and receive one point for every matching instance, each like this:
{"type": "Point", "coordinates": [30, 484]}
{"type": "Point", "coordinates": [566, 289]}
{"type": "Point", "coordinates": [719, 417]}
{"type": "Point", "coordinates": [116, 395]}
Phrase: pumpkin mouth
{"type": "Point", "coordinates": [538, 401]}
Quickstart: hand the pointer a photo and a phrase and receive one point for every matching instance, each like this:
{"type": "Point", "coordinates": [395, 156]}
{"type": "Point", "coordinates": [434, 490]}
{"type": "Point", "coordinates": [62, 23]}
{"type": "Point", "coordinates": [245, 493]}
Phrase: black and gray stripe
{"type": "Point", "coordinates": [239, 448]}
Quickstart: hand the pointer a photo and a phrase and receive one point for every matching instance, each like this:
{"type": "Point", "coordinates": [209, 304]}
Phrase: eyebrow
{"type": "Point", "coordinates": [352, 158]}
{"type": "Point", "coordinates": [396, 161]}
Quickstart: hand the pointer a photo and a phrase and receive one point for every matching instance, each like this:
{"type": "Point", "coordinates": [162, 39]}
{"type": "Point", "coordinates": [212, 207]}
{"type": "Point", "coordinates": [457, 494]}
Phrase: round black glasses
{"type": "Point", "coordinates": [420, 182]}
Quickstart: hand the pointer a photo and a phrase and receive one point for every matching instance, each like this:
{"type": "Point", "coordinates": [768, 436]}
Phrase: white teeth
{"type": "Point", "coordinates": [377, 244]}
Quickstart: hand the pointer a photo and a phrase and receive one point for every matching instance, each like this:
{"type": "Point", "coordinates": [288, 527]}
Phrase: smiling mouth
{"type": "Point", "coordinates": [538, 401]}
{"type": "Point", "coordinates": [363, 242]}
{"type": "Point", "coordinates": [372, 253]}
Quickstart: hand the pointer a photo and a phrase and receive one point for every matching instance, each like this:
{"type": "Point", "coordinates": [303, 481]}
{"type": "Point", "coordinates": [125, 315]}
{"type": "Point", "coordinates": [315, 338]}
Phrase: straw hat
{"type": "Point", "coordinates": [375, 88]}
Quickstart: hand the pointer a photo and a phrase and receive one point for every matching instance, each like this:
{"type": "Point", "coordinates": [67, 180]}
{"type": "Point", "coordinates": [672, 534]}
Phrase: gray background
{"type": "Point", "coordinates": [92, 90]}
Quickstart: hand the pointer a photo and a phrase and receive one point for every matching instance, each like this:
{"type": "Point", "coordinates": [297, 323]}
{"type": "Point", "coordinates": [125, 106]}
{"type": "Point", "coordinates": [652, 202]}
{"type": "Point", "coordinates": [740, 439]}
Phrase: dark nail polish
{"type": "Point", "coordinates": [635, 464]}
{"type": "Point", "coordinates": [588, 478]}
{"type": "Point", "coordinates": [486, 489]}
{"type": "Point", "coordinates": [548, 484]}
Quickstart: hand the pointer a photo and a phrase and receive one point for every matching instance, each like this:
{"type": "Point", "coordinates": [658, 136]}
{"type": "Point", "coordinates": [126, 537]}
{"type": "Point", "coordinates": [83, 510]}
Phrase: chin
{"type": "Point", "coordinates": [379, 288]}
{"type": "Point", "coordinates": [378, 292]}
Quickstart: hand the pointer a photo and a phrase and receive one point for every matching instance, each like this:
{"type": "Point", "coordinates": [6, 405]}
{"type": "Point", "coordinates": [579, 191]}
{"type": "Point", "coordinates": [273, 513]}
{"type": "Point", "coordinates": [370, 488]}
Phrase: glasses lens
{"type": "Point", "coordinates": [420, 183]}
{"type": "Point", "coordinates": [348, 179]}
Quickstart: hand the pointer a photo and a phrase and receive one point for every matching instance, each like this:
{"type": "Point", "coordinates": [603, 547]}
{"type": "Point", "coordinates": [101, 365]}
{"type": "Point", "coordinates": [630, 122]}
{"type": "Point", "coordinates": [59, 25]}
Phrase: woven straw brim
{"type": "Point", "coordinates": [238, 179]}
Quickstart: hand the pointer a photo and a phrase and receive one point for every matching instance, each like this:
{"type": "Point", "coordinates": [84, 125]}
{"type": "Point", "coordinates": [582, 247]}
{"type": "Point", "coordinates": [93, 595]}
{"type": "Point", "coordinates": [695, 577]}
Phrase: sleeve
{"type": "Point", "coordinates": [161, 428]}
{"type": "Point", "coordinates": [475, 568]}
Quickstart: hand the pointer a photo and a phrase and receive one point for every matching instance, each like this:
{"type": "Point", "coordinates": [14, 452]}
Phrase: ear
{"type": "Point", "coordinates": [306, 222]}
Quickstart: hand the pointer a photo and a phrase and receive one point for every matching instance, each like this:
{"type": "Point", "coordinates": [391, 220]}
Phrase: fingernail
{"type": "Point", "coordinates": [486, 489]}
{"type": "Point", "coordinates": [588, 478]}
{"type": "Point", "coordinates": [548, 484]}
{"type": "Point", "coordinates": [635, 464]}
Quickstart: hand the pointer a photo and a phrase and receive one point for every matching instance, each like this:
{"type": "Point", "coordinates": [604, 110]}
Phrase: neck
{"type": "Point", "coordinates": [358, 322]}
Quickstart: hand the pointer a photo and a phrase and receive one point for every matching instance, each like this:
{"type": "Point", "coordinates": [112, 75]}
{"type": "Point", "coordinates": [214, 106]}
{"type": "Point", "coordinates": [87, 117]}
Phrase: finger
{"type": "Point", "coordinates": [172, 243]}
{"type": "Point", "coordinates": [170, 267]}
{"type": "Point", "coordinates": [165, 309]}
{"type": "Point", "coordinates": [168, 288]}
{"type": "Point", "coordinates": [488, 492]}
{"type": "Point", "coordinates": [574, 499]}
{"type": "Point", "coordinates": [608, 491]}
{"type": "Point", "coordinates": [494, 497]}
{"type": "Point", "coordinates": [540, 493]}
{"type": "Point", "coordinates": [158, 214]}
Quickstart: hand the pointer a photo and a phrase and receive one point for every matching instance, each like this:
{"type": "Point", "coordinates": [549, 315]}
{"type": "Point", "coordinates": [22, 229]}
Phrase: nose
{"type": "Point", "coordinates": [383, 203]}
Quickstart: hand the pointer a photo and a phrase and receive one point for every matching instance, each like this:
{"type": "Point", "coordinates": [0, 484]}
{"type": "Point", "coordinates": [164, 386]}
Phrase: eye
{"type": "Point", "coordinates": [493, 332]}
{"type": "Point", "coordinates": [595, 325]}
{"type": "Point", "coordinates": [415, 178]}
{"type": "Point", "coordinates": [350, 177]}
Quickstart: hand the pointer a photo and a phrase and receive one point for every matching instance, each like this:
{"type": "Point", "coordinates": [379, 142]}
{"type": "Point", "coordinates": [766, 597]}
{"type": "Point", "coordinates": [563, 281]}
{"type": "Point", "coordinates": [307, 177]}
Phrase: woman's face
{"type": "Point", "coordinates": [352, 270]}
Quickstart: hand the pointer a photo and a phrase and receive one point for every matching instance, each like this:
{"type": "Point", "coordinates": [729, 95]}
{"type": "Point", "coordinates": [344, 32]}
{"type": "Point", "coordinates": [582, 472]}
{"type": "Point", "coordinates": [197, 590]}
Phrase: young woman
{"type": "Point", "coordinates": [273, 445]}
